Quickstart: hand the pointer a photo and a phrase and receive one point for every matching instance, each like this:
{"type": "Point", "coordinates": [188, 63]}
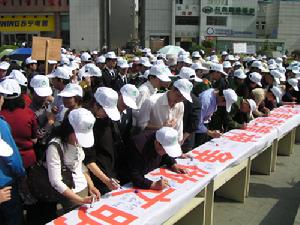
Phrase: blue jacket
{"type": "Point", "coordinates": [10, 167]}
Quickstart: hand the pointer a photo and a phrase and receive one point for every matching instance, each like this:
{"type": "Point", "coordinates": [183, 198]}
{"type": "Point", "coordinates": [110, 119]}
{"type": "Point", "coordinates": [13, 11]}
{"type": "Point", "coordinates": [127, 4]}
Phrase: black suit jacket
{"type": "Point", "coordinates": [107, 78]}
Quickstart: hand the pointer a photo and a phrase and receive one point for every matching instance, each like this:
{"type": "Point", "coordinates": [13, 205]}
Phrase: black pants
{"type": "Point", "coordinates": [40, 213]}
{"type": "Point", "coordinates": [11, 211]}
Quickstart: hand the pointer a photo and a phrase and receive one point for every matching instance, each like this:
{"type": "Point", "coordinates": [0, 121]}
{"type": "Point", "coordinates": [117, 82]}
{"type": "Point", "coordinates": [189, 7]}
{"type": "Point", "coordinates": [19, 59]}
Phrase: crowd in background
{"type": "Point", "coordinates": [110, 119]}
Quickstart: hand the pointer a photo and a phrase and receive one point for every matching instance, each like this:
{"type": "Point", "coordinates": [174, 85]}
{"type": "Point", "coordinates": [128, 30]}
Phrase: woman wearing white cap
{"type": "Point", "coordinates": [273, 97]}
{"type": "Point", "coordinates": [75, 132]}
{"type": "Point", "coordinates": [101, 157]}
{"type": "Point", "coordinates": [292, 91]}
{"type": "Point", "coordinates": [10, 171]}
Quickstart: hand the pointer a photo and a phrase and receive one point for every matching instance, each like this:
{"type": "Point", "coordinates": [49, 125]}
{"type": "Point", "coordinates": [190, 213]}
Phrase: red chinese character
{"type": "Point", "coordinates": [286, 110]}
{"type": "Point", "coordinates": [159, 196]}
{"type": "Point", "coordinates": [241, 137]}
{"type": "Point", "coordinates": [268, 120]}
{"type": "Point", "coordinates": [212, 156]}
{"type": "Point", "coordinates": [60, 221]}
{"type": "Point", "coordinates": [259, 129]}
{"type": "Point", "coordinates": [113, 216]}
{"type": "Point", "coordinates": [281, 116]}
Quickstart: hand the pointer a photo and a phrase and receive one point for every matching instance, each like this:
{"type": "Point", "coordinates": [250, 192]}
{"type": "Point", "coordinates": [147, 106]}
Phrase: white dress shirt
{"type": "Point", "coordinates": [155, 112]}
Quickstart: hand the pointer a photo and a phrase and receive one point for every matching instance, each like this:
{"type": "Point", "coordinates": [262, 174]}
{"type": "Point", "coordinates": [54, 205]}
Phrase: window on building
{"type": "Point", "coordinates": [263, 25]}
{"type": "Point", "coordinates": [179, 1]}
{"type": "Point", "coordinates": [187, 20]}
{"type": "Point", "coordinates": [257, 25]}
{"type": "Point", "coordinates": [216, 20]}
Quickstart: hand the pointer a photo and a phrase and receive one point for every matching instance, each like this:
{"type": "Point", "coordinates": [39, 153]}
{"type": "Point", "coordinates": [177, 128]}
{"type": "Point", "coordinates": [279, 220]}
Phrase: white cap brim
{"type": "Point", "coordinates": [85, 140]}
{"type": "Point", "coordinates": [164, 78]}
{"type": "Point", "coordinates": [51, 75]}
{"type": "Point", "coordinates": [259, 84]}
{"type": "Point", "coordinates": [242, 77]}
{"type": "Point", "coordinates": [130, 102]}
{"type": "Point", "coordinates": [112, 113]}
{"type": "Point", "coordinates": [197, 79]}
{"type": "Point", "coordinates": [187, 96]}
{"type": "Point", "coordinates": [43, 92]}
{"type": "Point", "coordinates": [228, 106]}
{"type": "Point", "coordinates": [296, 88]}
{"type": "Point", "coordinates": [173, 151]}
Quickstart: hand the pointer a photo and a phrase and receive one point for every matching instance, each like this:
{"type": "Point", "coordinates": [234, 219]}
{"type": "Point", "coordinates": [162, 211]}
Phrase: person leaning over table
{"type": "Point", "coordinates": [75, 132]}
{"type": "Point", "coordinates": [151, 150]}
{"type": "Point", "coordinates": [209, 101]}
{"type": "Point", "coordinates": [101, 157]}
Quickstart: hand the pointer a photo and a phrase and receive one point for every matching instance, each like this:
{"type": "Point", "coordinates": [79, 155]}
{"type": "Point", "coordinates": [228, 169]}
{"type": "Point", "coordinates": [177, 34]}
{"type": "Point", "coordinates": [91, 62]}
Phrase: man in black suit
{"type": "Point", "coordinates": [109, 73]}
{"type": "Point", "coordinates": [121, 79]}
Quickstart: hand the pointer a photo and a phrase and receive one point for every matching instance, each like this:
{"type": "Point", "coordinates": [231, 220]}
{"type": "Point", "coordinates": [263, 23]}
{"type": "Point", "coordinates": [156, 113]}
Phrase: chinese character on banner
{"type": "Point", "coordinates": [281, 116]}
{"type": "Point", "coordinates": [37, 23]}
{"type": "Point", "coordinates": [269, 120]}
{"type": "Point", "coordinates": [156, 196]}
{"type": "Point", "coordinates": [23, 23]}
{"type": "Point", "coordinates": [60, 221]}
{"type": "Point", "coordinates": [30, 23]}
{"type": "Point", "coordinates": [286, 110]}
{"type": "Point", "coordinates": [179, 177]}
{"type": "Point", "coordinates": [212, 156]}
{"type": "Point", "coordinates": [44, 23]}
{"type": "Point", "coordinates": [241, 137]}
{"type": "Point", "coordinates": [258, 129]}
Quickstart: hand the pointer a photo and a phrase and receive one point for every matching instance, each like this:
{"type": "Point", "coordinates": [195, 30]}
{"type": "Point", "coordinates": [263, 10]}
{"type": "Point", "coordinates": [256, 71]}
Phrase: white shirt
{"type": "Point", "coordinates": [156, 112]}
{"type": "Point", "coordinates": [146, 90]}
{"type": "Point", "coordinates": [73, 157]}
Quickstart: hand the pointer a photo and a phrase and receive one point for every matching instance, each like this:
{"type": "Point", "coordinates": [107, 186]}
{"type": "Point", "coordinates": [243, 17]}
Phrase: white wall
{"type": "Point", "coordinates": [84, 24]}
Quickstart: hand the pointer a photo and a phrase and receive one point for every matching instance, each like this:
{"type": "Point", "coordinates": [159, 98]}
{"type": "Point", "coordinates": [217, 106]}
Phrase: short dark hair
{"type": "Point", "coordinates": [14, 103]}
{"type": "Point", "coordinates": [63, 131]}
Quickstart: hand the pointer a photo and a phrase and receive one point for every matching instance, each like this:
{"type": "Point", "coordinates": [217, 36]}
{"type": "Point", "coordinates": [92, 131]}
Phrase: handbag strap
{"type": "Point", "coordinates": [60, 152]}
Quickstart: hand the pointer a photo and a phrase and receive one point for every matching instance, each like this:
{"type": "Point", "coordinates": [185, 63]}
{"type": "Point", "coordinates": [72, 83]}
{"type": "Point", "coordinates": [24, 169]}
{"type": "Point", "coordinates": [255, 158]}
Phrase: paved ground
{"type": "Point", "coordinates": [273, 200]}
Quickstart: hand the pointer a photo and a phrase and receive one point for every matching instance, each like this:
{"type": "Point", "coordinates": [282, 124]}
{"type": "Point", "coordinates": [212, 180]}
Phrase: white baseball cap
{"type": "Point", "coordinates": [100, 59]}
{"type": "Point", "coordinates": [185, 87]}
{"type": "Point", "coordinates": [196, 54]}
{"type": "Point", "coordinates": [295, 70]}
{"type": "Point", "coordinates": [12, 86]}
{"type": "Point", "coordinates": [214, 59]}
{"type": "Point", "coordinates": [252, 105]}
{"type": "Point", "coordinates": [198, 66]}
{"type": "Point", "coordinates": [277, 93]}
{"type": "Point", "coordinates": [82, 121]}
{"type": "Point", "coordinates": [73, 65]}
{"type": "Point", "coordinates": [64, 60]}
{"type": "Point", "coordinates": [230, 58]}
{"type": "Point", "coordinates": [86, 57]}
{"type": "Point", "coordinates": [18, 76]}
{"type": "Point", "coordinates": [71, 90]}
{"type": "Point", "coordinates": [145, 62]}
{"type": "Point", "coordinates": [189, 74]}
{"type": "Point", "coordinates": [92, 70]}
{"type": "Point", "coordinates": [272, 66]}
{"type": "Point", "coordinates": [230, 98]}
{"type": "Point", "coordinates": [110, 55]}
{"type": "Point", "coordinates": [224, 53]}
{"type": "Point", "coordinates": [185, 59]}
{"type": "Point", "coordinates": [108, 99]}
{"type": "Point", "coordinates": [145, 75]}
{"type": "Point", "coordinates": [256, 78]}
{"type": "Point", "coordinates": [161, 72]}
{"type": "Point", "coordinates": [294, 83]}
{"type": "Point", "coordinates": [123, 64]}
{"type": "Point", "coordinates": [168, 138]}
{"type": "Point", "coordinates": [95, 52]}
{"type": "Point", "coordinates": [237, 63]}
{"type": "Point", "coordinates": [276, 75]}
{"type": "Point", "coordinates": [29, 60]}
{"type": "Point", "coordinates": [218, 68]}
{"type": "Point", "coordinates": [227, 64]}
{"type": "Point", "coordinates": [40, 84]}
{"type": "Point", "coordinates": [4, 65]}
{"type": "Point", "coordinates": [61, 72]}
{"type": "Point", "coordinates": [129, 94]}
{"type": "Point", "coordinates": [257, 64]}
{"type": "Point", "coordinates": [240, 74]}
{"type": "Point", "coordinates": [162, 55]}
{"type": "Point", "coordinates": [5, 149]}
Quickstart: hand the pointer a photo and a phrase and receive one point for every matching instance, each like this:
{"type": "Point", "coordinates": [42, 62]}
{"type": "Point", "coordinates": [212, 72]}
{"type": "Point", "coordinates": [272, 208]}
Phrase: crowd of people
{"type": "Point", "coordinates": [109, 120]}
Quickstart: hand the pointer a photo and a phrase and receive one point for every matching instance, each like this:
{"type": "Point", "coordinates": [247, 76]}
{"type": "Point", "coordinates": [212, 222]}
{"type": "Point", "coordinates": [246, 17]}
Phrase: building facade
{"type": "Point", "coordinates": [82, 24]}
{"type": "Point", "coordinates": [184, 22]}
{"type": "Point", "coordinates": [22, 19]}
{"type": "Point", "coordinates": [282, 22]}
